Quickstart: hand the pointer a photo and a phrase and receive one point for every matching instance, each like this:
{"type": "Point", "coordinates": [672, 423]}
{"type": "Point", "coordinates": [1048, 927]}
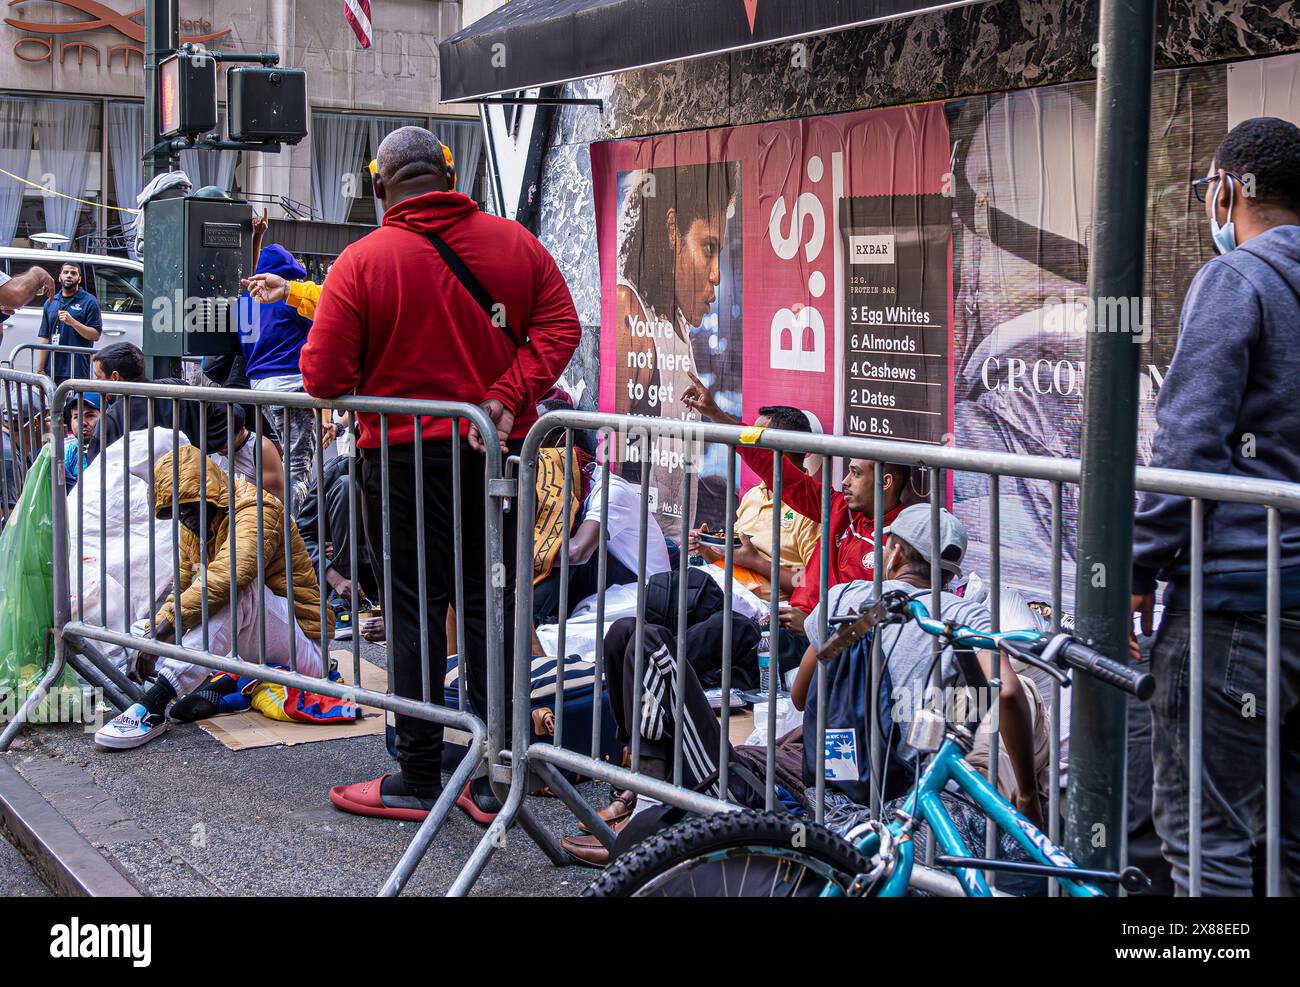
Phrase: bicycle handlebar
{"type": "Point", "coordinates": [1045, 650]}
{"type": "Point", "coordinates": [1078, 655]}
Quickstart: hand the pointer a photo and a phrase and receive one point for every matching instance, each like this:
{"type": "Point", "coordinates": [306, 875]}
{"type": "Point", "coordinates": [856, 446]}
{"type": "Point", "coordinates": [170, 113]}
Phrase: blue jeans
{"type": "Point", "coordinates": [1233, 752]}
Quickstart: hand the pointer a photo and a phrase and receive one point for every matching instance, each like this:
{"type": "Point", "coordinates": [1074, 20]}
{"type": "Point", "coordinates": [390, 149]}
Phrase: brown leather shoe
{"type": "Point", "coordinates": [618, 810]}
{"type": "Point", "coordinates": [586, 850]}
{"type": "Point", "coordinates": [544, 722]}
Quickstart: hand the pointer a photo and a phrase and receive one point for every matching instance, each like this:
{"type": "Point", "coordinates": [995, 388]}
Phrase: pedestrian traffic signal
{"type": "Point", "coordinates": [266, 104]}
{"type": "Point", "coordinates": [187, 95]}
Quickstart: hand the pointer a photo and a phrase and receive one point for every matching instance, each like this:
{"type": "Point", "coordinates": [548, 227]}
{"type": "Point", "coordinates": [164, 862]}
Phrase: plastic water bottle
{"type": "Point", "coordinates": [764, 663]}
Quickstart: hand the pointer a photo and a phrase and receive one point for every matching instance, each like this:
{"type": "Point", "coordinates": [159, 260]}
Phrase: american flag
{"type": "Point", "coordinates": [358, 14]}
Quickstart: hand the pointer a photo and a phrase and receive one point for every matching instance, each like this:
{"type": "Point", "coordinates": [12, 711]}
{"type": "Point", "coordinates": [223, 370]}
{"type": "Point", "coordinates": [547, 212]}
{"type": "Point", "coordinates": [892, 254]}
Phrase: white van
{"type": "Point", "coordinates": [116, 282]}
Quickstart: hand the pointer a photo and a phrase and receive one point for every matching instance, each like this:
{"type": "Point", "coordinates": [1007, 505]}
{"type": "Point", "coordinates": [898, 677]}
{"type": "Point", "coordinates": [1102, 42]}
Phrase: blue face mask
{"type": "Point", "coordinates": [1225, 236]}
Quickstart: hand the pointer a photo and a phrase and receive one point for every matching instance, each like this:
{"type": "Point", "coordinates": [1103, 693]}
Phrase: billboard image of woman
{"type": "Point", "coordinates": [678, 269]}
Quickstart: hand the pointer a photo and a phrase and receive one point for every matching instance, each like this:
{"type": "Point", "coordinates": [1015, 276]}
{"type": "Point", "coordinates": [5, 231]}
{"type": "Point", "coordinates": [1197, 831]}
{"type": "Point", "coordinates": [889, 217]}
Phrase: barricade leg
{"type": "Point", "coordinates": [88, 671]}
{"type": "Point", "coordinates": [33, 698]}
{"type": "Point", "coordinates": [494, 837]}
{"type": "Point", "coordinates": [578, 805]}
{"type": "Point", "coordinates": [437, 816]}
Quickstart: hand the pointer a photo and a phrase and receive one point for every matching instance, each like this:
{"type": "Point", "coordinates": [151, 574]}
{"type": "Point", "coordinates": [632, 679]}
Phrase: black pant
{"type": "Point", "coordinates": [792, 646]}
{"type": "Point", "coordinates": [1234, 729]}
{"type": "Point", "coordinates": [583, 582]}
{"type": "Point", "coordinates": [336, 530]}
{"type": "Point", "coordinates": [701, 734]}
{"type": "Point", "coordinates": [419, 742]}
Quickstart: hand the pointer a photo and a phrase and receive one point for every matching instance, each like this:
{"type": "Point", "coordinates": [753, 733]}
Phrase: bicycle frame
{"type": "Point", "coordinates": [924, 805]}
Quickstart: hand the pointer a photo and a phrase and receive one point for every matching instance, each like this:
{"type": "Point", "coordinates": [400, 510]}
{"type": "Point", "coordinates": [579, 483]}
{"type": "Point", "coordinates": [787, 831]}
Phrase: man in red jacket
{"type": "Point", "coordinates": [396, 319]}
{"type": "Point", "coordinates": [854, 514]}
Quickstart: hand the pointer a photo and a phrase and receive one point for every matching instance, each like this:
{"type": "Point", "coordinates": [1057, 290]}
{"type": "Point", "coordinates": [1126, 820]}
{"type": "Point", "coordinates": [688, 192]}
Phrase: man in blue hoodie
{"type": "Point", "coordinates": [272, 340]}
{"type": "Point", "coordinates": [1230, 405]}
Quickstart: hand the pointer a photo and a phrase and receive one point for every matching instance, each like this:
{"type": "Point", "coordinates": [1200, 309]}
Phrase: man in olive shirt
{"type": "Point", "coordinates": [753, 527]}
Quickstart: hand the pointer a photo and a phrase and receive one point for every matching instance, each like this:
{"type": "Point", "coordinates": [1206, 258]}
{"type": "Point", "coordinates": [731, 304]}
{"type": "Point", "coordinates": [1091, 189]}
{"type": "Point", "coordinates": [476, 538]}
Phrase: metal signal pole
{"type": "Point", "coordinates": [1095, 814]}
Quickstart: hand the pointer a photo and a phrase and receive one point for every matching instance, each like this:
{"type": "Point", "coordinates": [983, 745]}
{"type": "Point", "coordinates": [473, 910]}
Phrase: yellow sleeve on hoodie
{"type": "Point", "coordinates": [303, 296]}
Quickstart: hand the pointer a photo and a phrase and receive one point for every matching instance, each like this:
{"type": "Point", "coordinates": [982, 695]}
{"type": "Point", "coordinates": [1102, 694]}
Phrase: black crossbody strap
{"type": "Point", "coordinates": [473, 285]}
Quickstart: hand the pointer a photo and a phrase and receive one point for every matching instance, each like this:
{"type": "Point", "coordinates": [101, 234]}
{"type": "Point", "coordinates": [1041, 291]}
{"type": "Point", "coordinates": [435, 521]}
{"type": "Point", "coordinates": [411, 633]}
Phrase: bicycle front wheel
{"type": "Point", "coordinates": [745, 854]}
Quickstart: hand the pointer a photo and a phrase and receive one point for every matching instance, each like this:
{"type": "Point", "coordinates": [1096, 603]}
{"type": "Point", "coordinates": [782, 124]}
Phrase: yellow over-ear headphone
{"type": "Point", "coordinates": [446, 157]}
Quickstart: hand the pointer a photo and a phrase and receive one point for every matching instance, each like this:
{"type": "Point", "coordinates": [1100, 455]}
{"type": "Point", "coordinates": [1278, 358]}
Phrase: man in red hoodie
{"type": "Point", "coordinates": [441, 302]}
{"type": "Point", "coordinates": [854, 514]}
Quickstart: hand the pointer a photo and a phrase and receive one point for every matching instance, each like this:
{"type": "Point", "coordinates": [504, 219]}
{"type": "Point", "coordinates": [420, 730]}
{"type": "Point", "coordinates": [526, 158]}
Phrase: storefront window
{"type": "Point", "coordinates": [465, 138]}
{"type": "Point", "coordinates": [343, 144]}
{"type": "Point", "coordinates": [63, 166]}
{"type": "Point", "coordinates": [125, 174]}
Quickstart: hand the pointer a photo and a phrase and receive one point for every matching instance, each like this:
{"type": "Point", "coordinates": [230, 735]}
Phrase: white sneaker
{"type": "Point", "coordinates": [134, 728]}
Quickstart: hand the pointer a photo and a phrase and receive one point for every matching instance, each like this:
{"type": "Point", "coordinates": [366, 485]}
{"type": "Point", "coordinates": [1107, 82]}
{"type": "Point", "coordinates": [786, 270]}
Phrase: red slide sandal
{"type": "Point", "coordinates": [364, 799]}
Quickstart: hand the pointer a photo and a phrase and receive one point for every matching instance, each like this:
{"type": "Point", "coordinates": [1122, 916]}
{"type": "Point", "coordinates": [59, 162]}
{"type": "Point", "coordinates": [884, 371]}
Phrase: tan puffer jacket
{"type": "Point", "coordinates": [306, 593]}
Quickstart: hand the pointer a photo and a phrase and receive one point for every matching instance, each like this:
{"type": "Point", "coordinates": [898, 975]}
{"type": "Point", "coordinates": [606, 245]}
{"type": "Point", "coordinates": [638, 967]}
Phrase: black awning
{"type": "Point", "coordinates": [530, 43]}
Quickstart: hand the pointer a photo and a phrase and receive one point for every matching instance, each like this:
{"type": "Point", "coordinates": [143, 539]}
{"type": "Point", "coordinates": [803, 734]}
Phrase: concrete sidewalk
{"type": "Point", "coordinates": [185, 816]}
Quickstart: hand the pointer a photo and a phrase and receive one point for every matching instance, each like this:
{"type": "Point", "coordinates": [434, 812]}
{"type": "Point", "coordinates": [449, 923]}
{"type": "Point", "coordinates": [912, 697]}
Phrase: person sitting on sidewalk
{"type": "Point", "coordinates": [622, 535]}
{"type": "Point", "coordinates": [79, 420]}
{"type": "Point", "coordinates": [853, 517]}
{"type": "Point", "coordinates": [800, 536]}
{"type": "Point", "coordinates": [753, 524]}
{"type": "Point", "coordinates": [1024, 763]}
{"type": "Point", "coordinates": [245, 458]}
{"type": "Point", "coordinates": [291, 637]}
{"type": "Point", "coordinates": [701, 734]}
{"type": "Point", "coordinates": [332, 531]}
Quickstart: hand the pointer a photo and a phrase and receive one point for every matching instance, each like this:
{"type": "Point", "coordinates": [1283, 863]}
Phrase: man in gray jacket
{"type": "Point", "coordinates": [1230, 405]}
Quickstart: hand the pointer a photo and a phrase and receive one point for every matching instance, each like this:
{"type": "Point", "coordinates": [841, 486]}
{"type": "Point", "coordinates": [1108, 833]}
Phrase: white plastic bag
{"type": "Point", "coordinates": [787, 718]}
{"type": "Point", "coordinates": [126, 498]}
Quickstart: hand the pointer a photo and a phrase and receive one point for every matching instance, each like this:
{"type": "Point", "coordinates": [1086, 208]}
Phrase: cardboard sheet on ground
{"type": "Point", "coordinates": [740, 725]}
{"type": "Point", "coordinates": [250, 729]}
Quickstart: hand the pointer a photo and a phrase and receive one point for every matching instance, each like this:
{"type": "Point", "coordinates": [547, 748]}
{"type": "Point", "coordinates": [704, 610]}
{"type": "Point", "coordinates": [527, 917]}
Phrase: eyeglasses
{"type": "Point", "coordinates": [1201, 187]}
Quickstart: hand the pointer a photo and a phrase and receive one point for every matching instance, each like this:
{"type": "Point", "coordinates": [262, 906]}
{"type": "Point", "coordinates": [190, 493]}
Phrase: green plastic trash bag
{"type": "Point", "coordinates": [26, 587]}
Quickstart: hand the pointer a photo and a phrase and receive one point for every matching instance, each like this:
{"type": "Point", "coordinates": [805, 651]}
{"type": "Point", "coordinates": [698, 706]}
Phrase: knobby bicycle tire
{"type": "Point", "coordinates": [779, 840]}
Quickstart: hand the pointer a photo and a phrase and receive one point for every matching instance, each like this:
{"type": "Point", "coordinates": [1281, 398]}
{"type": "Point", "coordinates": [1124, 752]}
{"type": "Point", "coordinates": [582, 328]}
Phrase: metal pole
{"type": "Point", "coordinates": [162, 36]}
{"type": "Point", "coordinates": [1095, 814]}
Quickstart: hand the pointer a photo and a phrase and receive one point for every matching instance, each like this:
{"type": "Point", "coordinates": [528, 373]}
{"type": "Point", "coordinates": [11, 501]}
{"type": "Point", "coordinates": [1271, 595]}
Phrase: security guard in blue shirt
{"type": "Point", "coordinates": [73, 317]}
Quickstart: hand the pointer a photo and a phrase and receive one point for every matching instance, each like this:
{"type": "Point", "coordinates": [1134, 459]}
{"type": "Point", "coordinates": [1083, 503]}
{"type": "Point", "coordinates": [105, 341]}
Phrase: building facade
{"type": "Point", "coordinates": [72, 110]}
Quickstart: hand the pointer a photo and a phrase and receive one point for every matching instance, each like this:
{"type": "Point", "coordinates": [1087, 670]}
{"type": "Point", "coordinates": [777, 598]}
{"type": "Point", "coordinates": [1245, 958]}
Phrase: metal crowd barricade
{"type": "Point", "coordinates": [24, 416]}
{"type": "Point", "coordinates": [82, 637]}
{"type": "Point", "coordinates": [546, 760]}
{"type": "Point", "coordinates": [30, 350]}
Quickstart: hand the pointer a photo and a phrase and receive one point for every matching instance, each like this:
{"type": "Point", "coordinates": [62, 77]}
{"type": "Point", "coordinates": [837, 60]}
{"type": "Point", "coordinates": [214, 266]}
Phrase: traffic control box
{"type": "Point", "coordinates": [196, 253]}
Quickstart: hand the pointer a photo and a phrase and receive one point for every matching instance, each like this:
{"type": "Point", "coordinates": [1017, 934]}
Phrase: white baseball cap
{"type": "Point", "coordinates": [912, 525]}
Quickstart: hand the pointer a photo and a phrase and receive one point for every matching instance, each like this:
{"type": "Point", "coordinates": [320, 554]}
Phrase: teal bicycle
{"type": "Point", "coordinates": [749, 853]}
